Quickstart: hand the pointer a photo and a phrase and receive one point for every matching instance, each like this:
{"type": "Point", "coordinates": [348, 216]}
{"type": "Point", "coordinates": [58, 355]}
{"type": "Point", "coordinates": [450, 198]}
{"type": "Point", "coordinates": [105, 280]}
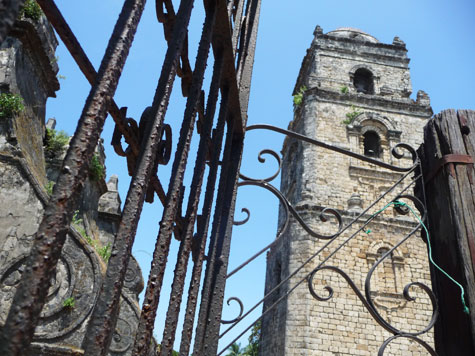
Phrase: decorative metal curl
{"type": "Point", "coordinates": [245, 220]}
{"type": "Point", "coordinates": [395, 151]}
{"type": "Point", "coordinates": [368, 304]}
{"type": "Point", "coordinates": [141, 132]}
{"type": "Point", "coordinates": [165, 145]}
{"type": "Point", "coordinates": [167, 19]}
{"type": "Point", "coordinates": [350, 283]}
{"type": "Point", "coordinates": [312, 290]}
{"type": "Point", "coordinates": [284, 227]}
{"type": "Point", "coordinates": [416, 339]}
{"type": "Point", "coordinates": [404, 210]}
{"type": "Point", "coordinates": [318, 143]}
{"type": "Point", "coordinates": [241, 311]}
{"type": "Point", "coordinates": [261, 159]}
{"type": "Point", "coordinates": [288, 208]}
{"type": "Point", "coordinates": [117, 134]}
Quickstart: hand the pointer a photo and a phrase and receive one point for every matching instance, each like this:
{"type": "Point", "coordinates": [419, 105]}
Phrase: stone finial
{"type": "Point", "coordinates": [423, 98]}
{"type": "Point", "coordinates": [109, 202]}
{"type": "Point", "coordinates": [355, 203]}
{"type": "Point", "coordinates": [318, 31]}
{"type": "Point", "coordinates": [113, 183]}
{"type": "Point", "coordinates": [398, 42]}
{"type": "Point", "coordinates": [51, 123]}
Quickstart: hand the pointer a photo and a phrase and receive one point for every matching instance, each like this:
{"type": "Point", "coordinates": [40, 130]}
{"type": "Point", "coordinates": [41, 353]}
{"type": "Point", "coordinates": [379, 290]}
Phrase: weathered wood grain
{"type": "Point", "coordinates": [451, 219]}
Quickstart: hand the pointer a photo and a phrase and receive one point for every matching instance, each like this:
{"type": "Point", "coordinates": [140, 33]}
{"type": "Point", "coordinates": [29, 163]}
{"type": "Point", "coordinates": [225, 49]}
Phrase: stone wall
{"type": "Point", "coordinates": [314, 178]}
{"type": "Point", "coordinates": [28, 68]}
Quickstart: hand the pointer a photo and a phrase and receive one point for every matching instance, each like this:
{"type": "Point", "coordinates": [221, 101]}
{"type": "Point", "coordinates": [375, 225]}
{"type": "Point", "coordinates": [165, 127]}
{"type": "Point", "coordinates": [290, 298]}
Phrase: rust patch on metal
{"type": "Point", "coordinates": [449, 159]}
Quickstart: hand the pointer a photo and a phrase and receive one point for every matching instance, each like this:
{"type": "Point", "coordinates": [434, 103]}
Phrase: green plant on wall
{"type": "Point", "coordinates": [31, 10]}
{"type": "Point", "coordinates": [77, 222]}
{"type": "Point", "coordinates": [344, 90]}
{"type": "Point", "coordinates": [49, 187]}
{"type": "Point", "coordinates": [55, 142]}
{"type": "Point", "coordinates": [105, 252]}
{"type": "Point", "coordinates": [10, 105]}
{"type": "Point", "coordinates": [351, 116]}
{"type": "Point", "coordinates": [96, 170]}
{"type": "Point", "coordinates": [298, 98]}
{"type": "Point", "coordinates": [69, 303]}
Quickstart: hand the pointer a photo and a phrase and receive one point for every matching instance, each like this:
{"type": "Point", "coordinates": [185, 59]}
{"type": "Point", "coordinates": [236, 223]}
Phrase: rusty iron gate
{"type": "Point", "coordinates": [230, 29]}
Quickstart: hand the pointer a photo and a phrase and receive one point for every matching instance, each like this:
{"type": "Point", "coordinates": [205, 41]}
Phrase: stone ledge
{"type": "Point", "coordinates": [35, 40]}
{"type": "Point", "coordinates": [348, 41]}
{"type": "Point", "coordinates": [374, 173]}
{"type": "Point", "coordinates": [40, 349]}
{"type": "Point", "coordinates": [408, 107]}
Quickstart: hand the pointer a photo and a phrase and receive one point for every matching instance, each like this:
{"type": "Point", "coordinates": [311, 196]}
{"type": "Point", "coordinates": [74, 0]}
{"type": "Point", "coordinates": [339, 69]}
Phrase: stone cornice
{"type": "Point", "coordinates": [401, 48]}
{"type": "Point", "coordinates": [372, 102]}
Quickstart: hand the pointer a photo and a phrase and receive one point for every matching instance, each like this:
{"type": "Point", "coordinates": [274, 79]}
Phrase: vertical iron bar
{"type": "Point", "coordinates": [203, 319]}
{"type": "Point", "coordinates": [247, 54]}
{"type": "Point", "coordinates": [41, 264]}
{"type": "Point", "coordinates": [160, 255]}
{"type": "Point", "coordinates": [207, 335]}
{"type": "Point", "coordinates": [206, 340]}
{"type": "Point", "coordinates": [104, 317]}
{"type": "Point", "coordinates": [202, 229]}
{"type": "Point", "coordinates": [190, 217]}
{"type": "Point", "coordinates": [9, 10]}
{"type": "Point", "coordinates": [237, 25]}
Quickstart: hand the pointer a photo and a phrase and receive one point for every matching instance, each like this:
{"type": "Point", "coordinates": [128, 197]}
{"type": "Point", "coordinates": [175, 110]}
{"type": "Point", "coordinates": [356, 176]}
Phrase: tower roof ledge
{"type": "Point", "coordinates": [353, 33]}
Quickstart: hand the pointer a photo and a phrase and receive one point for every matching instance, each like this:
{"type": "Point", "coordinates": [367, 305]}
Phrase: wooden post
{"type": "Point", "coordinates": [447, 157]}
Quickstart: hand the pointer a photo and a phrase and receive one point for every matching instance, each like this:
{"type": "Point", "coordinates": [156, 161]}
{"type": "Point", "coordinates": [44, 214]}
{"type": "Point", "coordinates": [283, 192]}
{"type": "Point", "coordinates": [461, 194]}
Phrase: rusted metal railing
{"type": "Point", "coordinates": [230, 29]}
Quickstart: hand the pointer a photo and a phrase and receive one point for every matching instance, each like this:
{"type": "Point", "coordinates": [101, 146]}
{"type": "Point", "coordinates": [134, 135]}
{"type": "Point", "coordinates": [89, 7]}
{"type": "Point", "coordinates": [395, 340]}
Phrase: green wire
{"type": "Point", "coordinates": [399, 203]}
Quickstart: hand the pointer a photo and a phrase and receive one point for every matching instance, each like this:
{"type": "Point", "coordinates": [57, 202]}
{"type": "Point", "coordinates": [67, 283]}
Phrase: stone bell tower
{"type": "Point", "coordinates": [356, 96]}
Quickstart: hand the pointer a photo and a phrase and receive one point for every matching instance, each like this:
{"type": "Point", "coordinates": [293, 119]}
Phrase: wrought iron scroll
{"type": "Point", "coordinates": [366, 297]}
{"type": "Point", "coordinates": [289, 210]}
{"type": "Point", "coordinates": [118, 115]}
{"type": "Point", "coordinates": [395, 151]}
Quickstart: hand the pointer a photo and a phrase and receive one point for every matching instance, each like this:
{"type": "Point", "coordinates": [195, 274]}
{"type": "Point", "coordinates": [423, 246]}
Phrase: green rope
{"type": "Point", "coordinates": [399, 203]}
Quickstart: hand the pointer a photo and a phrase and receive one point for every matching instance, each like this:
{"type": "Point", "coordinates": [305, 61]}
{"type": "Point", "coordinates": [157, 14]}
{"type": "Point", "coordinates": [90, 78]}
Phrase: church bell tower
{"type": "Point", "coordinates": [355, 95]}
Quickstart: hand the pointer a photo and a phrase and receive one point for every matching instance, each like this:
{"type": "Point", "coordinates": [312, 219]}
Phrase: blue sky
{"type": "Point", "coordinates": [438, 35]}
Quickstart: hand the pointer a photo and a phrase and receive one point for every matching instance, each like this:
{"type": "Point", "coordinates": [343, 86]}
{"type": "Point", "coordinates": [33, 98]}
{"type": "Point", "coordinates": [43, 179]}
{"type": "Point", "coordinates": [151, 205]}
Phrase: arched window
{"type": "Point", "coordinates": [372, 144]}
{"type": "Point", "coordinates": [363, 81]}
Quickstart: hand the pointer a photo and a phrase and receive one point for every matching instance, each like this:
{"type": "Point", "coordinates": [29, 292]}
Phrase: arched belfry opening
{"type": "Point", "coordinates": [363, 81]}
{"type": "Point", "coordinates": [372, 144]}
